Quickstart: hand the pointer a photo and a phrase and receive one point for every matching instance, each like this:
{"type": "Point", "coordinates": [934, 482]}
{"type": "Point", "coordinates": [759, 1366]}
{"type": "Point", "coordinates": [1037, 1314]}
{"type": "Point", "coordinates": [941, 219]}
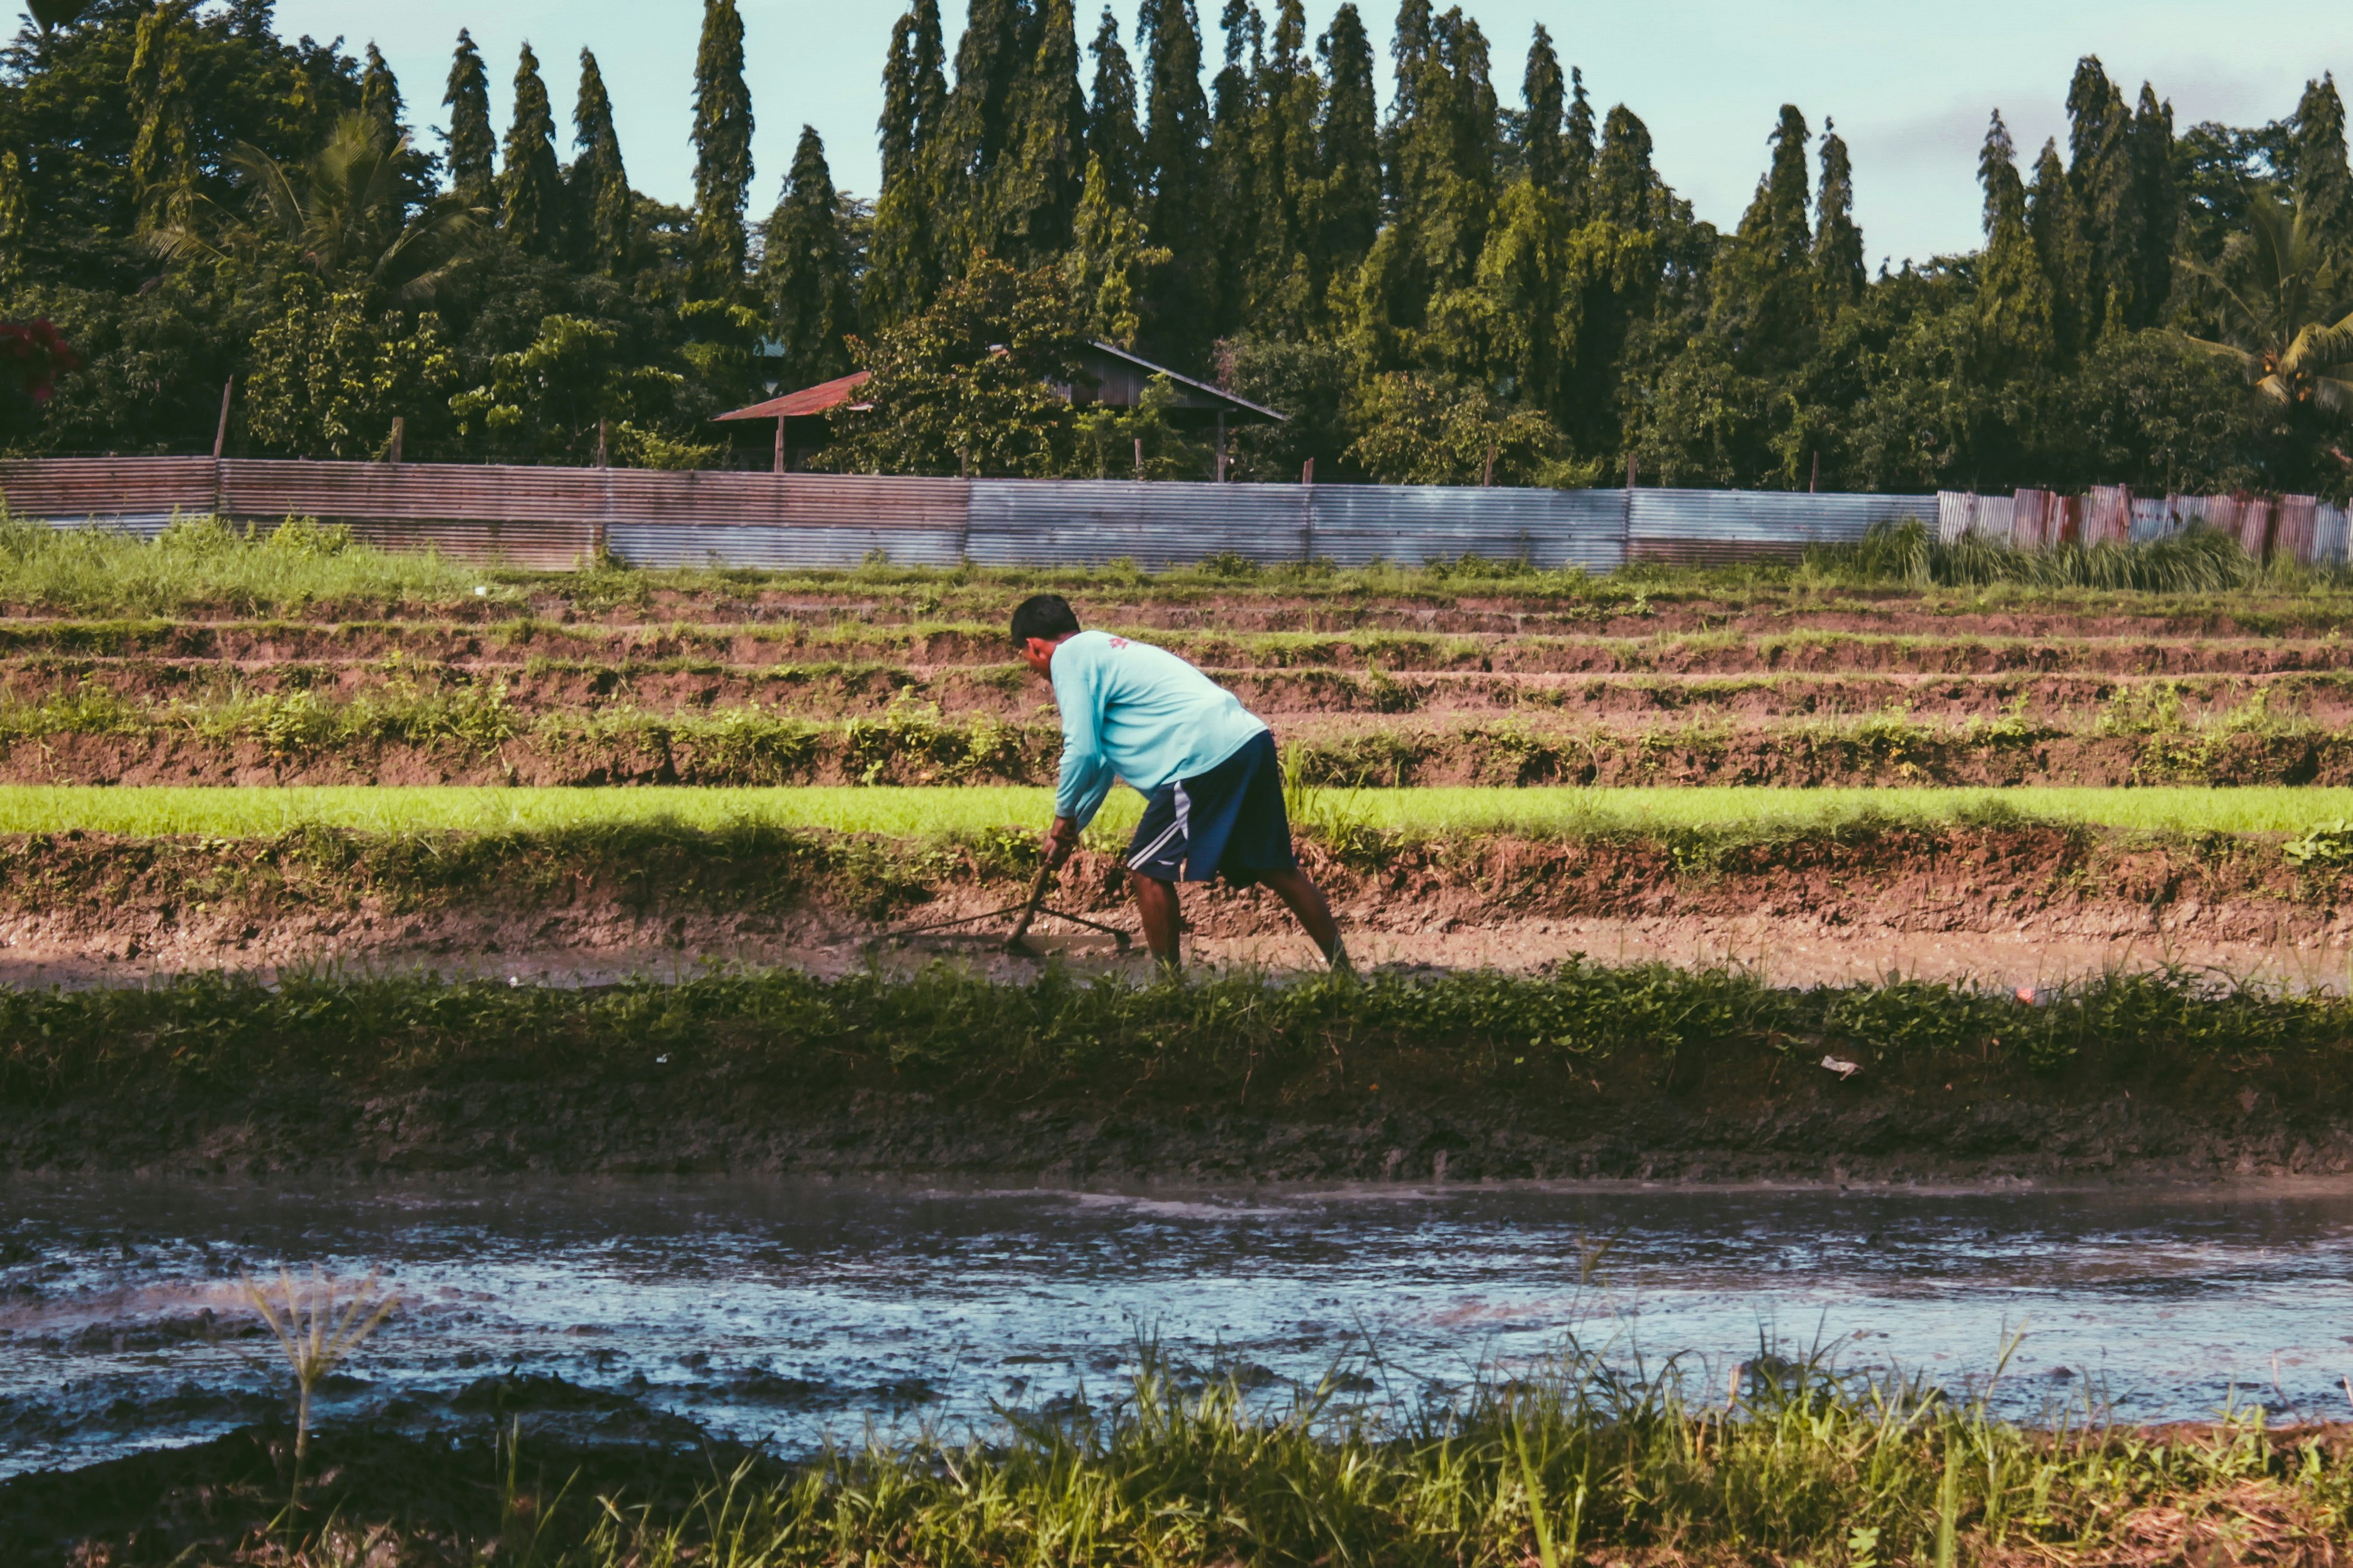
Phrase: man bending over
{"type": "Point", "coordinates": [1212, 790]}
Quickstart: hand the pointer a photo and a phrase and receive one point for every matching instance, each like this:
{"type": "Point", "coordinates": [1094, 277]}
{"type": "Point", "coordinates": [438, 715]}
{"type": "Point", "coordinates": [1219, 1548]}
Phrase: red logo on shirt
{"type": "Point", "coordinates": [1119, 642]}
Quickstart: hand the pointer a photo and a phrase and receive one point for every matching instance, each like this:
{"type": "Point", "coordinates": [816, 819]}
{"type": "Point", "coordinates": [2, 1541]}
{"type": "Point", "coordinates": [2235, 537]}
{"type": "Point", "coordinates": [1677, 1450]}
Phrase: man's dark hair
{"type": "Point", "coordinates": [1046, 616]}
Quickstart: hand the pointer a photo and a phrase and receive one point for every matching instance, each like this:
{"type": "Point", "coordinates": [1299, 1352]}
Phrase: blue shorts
{"type": "Point", "coordinates": [1229, 822]}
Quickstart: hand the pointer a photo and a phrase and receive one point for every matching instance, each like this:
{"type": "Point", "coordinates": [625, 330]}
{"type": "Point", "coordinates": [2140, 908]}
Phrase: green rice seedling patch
{"type": "Point", "coordinates": [914, 812]}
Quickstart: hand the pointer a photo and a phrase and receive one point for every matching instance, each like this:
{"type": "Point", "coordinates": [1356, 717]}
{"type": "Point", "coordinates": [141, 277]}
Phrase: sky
{"type": "Point", "coordinates": [1909, 85]}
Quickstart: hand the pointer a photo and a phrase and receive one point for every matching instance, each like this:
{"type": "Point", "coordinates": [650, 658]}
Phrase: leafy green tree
{"type": "Point", "coordinates": [13, 219]}
{"type": "Point", "coordinates": [1578, 148]}
{"type": "Point", "coordinates": [805, 270]}
{"type": "Point", "coordinates": [163, 158]}
{"type": "Point", "coordinates": [2120, 168]}
{"type": "Point", "coordinates": [966, 385]}
{"type": "Point", "coordinates": [2324, 185]}
{"type": "Point", "coordinates": [1839, 275]}
{"type": "Point", "coordinates": [2277, 322]}
{"type": "Point", "coordinates": [601, 202]}
{"type": "Point", "coordinates": [548, 398]}
{"type": "Point", "coordinates": [1445, 146]}
{"type": "Point", "coordinates": [1350, 207]}
{"type": "Point", "coordinates": [722, 153]}
{"type": "Point", "coordinates": [2063, 253]}
{"type": "Point", "coordinates": [907, 264]}
{"type": "Point", "coordinates": [342, 215]}
{"type": "Point", "coordinates": [473, 145]}
{"type": "Point", "coordinates": [1415, 428]}
{"type": "Point", "coordinates": [1310, 380]}
{"type": "Point", "coordinates": [1111, 268]}
{"type": "Point", "coordinates": [329, 375]}
{"type": "Point", "coordinates": [534, 197]}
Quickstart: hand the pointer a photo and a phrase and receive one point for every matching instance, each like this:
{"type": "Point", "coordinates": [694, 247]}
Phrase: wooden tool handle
{"type": "Point", "coordinates": [1029, 910]}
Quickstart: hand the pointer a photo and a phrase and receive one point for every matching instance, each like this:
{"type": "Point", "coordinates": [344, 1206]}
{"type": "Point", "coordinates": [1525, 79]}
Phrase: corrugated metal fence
{"type": "Point", "coordinates": [2302, 528]}
{"type": "Point", "coordinates": [557, 517]}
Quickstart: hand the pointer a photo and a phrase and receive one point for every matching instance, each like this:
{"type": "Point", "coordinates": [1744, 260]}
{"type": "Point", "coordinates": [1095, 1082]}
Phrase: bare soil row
{"type": "Point", "coordinates": [329, 896]}
{"type": "Point", "coordinates": [1946, 650]}
{"type": "Point", "coordinates": [2057, 701]}
{"type": "Point", "coordinates": [265, 746]}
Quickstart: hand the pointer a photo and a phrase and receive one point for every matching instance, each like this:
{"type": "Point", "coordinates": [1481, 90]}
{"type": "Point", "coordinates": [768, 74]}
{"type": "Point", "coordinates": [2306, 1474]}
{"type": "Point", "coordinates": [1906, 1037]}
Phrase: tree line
{"type": "Point", "coordinates": [1484, 279]}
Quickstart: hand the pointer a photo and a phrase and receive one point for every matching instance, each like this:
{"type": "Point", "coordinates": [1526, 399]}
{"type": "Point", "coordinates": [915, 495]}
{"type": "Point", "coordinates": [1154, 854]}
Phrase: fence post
{"type": "Point", "coordinates": [220, 433]}
{"type": "Point", "coordinates": [399, 436]}
{"type": "Point", "coordinates": [604, 436]}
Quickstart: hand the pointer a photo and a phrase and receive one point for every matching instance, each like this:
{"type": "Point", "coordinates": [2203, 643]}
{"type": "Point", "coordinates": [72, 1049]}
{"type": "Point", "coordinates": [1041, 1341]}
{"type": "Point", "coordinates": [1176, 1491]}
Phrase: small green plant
{"type": "Point", "coordinates": [318, 1327]}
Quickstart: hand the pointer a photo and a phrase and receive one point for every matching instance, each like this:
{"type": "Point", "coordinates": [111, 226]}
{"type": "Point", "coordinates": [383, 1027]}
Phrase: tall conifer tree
{"type": "Point", "coordinates": [380, 92]}
{"type": "Point", "coordinates": [1444, 142]}
{"type": "Point", "coordinates": [1578, 144]}
{"type": "Point", "coordinates": [1766, 284]}
{"type": "Point", "coordinates": [905, 264]}
{"type": "Point", "coordinates": [601, 200]}
{"type": "Point", "coordinates": [1839, 273]}
{"type": "Point", "coordinates": [1039, 179]}
{"type": "Point", "coordinates": [992, 62]}
{"type": "Point", "coordinates": [534, 183]}
{"type": "Point", "coordinates": [1351, 142]}
{"type": "Point", "coordinates": [473, 145]}
{"type": "Point", "coordinates": [2062, 249]}
{"type": "Point", "coordinates": [1624, 185]}
{"type": "Point", "coordinates": [1112, 138]}
{"type": "Point", "coordinates": [1546, 96]}
{"type": "Point", "coordinates": [1288, 274]}
{"type": "Point", "coordinates": [2013, 296]}
{"type": "Point", "coordinates": [1176, 164]}
{"type": "Point", "coordinates": [2324, 185]}
{"type": "Point", "coordinates": [805, 270]}
{"type": "Point", "coordinates": [2157, 212]}
{"type": "Point", "coordinates": [722, 153]}
{"type": "Point", "coordinates": [163, 155]}
{"type": "Point", "coordinates": [1234, 191]}
{"type": "Point", "coordinates": [14, 219]}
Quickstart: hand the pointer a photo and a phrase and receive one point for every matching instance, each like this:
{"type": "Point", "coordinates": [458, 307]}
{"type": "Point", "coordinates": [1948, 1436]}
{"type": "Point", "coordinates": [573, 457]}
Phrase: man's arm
{"type": "Point", "coordinates": [1086, 775]}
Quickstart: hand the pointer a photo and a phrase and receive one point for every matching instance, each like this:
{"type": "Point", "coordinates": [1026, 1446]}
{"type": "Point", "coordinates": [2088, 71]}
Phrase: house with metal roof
{"type": "Point", "coordinates": [1109, 376]}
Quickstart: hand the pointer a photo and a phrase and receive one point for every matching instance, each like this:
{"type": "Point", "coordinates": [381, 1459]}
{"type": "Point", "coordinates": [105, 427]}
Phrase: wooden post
{"type": "Point", "coordinates": [1307, 474]}
{"type": "Point", "coordinates": [604, 441]}
{"type": "Point", "coordinates": [1221, 445]}
{"type": "Point", "coordinates": [1815, 484]}
{"type": "Point", "coordinates": [1629, 471]}
{"type": "Point", "coordinates": [399, 436]}
{"type": "Point", "coordinates": [220, 435]}
{"type": "Point", "coordinates": [1487, 478]}
{"type": "Point", "coordinates": [780, 443]}
{"type": "Point", "coordinates": [1139, 459]}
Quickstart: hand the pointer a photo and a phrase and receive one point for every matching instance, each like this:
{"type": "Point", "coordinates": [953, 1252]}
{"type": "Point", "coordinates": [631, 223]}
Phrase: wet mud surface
{"type": "Point", "coordinates": [662, 1314]}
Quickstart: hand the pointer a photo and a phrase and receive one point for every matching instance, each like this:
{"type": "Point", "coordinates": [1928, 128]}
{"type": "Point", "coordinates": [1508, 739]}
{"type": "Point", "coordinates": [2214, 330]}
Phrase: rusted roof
{"type": "Point", "coordinates": [821, 398]}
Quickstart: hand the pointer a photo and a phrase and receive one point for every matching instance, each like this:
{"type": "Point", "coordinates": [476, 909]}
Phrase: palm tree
{"type": "Point", "coordinates": [2275, 288]}
{"type": "Point", "coordinates": [342, 211]}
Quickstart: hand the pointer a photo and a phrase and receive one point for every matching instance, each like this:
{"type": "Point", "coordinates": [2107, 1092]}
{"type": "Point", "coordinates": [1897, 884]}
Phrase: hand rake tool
{"type": "Point", "coordinates": [1028, 910]}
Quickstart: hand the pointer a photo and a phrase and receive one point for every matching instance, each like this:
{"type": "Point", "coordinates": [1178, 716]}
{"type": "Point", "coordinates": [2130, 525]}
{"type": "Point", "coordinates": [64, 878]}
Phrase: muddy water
{"type": "Point", "coordinates": [659, 1310]}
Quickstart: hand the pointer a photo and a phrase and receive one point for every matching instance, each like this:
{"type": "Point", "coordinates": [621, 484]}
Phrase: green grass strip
{"type": "Point", "coordinates": [914, 812]}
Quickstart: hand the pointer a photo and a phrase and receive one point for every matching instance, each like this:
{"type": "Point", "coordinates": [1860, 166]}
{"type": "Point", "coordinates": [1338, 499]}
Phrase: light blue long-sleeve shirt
{"type": "Point", "coordinates": [1138, 712]}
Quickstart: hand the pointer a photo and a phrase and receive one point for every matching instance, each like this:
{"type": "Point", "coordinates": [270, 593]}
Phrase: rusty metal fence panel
{"type": "Point", "coordinates": [1718, 527]}
{"type": "Point", "coordinates": [2108, 515]}
{"type": "Point", "coordinates": [1047, 522]}
{"type": "Point", "coordinates": [1552, 530]}
{"type": "Point", "coordinates": [136, 495]}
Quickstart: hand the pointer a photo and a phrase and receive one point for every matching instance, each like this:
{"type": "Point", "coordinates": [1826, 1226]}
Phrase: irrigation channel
{"type": "Point", "coordinates": [664, 1310]}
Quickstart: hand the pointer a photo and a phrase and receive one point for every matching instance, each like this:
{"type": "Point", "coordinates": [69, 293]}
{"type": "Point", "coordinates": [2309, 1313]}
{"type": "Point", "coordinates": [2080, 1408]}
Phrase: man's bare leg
{"type": "Point", "coordinates": [1314, 911]}
{"type": "Point", "coordinates": [1163, 923]}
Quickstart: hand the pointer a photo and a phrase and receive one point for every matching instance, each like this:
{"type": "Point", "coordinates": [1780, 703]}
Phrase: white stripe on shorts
{"type": "Point", "coordinates": [1181, 826]}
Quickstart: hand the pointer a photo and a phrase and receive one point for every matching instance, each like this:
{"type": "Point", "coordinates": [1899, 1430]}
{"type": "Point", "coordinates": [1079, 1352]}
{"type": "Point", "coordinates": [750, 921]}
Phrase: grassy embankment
{"type": "Point", "coordinates": [1568, 1464]}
